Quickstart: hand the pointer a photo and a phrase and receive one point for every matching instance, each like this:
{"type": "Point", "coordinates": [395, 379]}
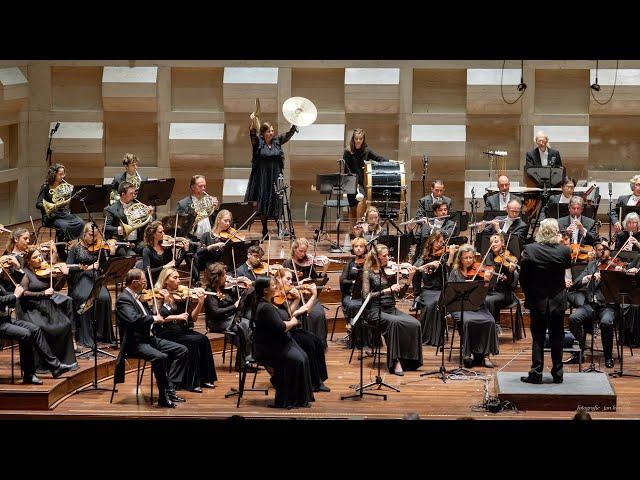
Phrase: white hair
{"type": "Point", "coordinates": [540, 133]}
{"type": "Point", "coordinates": [633, 180]}
{"type": "Point", "coordinates": [548, 231]}
{"type": "Point", "coordinates": [630, 216]}
{"type": "Point", "coordinates": [576, 199]}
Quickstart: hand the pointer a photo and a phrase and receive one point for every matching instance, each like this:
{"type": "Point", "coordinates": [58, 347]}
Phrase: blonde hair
{"type": "Point", "coordinates": [358, 241]}
{"type": "Point", "coordinates": [162, 278]}
{"type": "Point", "coordinates": [457, 260]}
{"type": "Point", "coordinates": [297, 243]}
{"type": "Point", "coordinates": [219, 217]}
{"type": "Point", "coordinates": [548, 231]}
{"type": "Point", "coordinates": [372, 257]}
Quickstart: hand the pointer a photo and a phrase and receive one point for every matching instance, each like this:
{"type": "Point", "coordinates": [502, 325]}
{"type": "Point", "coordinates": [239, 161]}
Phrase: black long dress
{"type": "Point", "coordinates": [355, 164]}
{"type": "Point", "coordinates": [80, 285]}
{"type": "Point", "coordinates": [151, 258]}
{"type": "Point", "coordinates": [205, 257]}
{"type": "Point", "coordinates": [402, 332]}
{"type": "Point", "coordinates": [312, 346]}
{"type": "Point", "coordinates": [52, 314]}
{"type": "Point", "coordinates": [350, 287]}
{"type": "Point", "coordinates": [200, 368]}
{"type": "Point", "coordinates": [273, 346]}
{"type": "Point", "coordinates": [316, 320]}
{"type": "Point", "coordinates": [430, 287]}
{"type": "Point", "coordinates": [501, 292]}
{"type": "Point", "coordinates": [479, 331]}
{"type": "Point", "coordinates": [267, 163]}
{"type": "Point", "coordinates": [63, 220]}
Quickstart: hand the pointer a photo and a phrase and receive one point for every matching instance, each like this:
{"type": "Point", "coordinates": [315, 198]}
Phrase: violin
{"type": "Point", "coordinates": [231, 235]}
{"type": "Point", "coordinates": [443, 250]}
{"type": "Point", "coordinates": [46, 246]}
{"type": "Point", "coordinates": [106, 245]}
{"type": "Point", "coordinates": [148, 295]}
{"type": "Point", "coordinates": [318, 261]}
{"type": "Point", "coordinates": [360, 261]}
{"type": "Point", "coordinates": [608, 263]}
{"type": "Point", "coordinates": [280, 297]}
{"type": "Point", "coordinates": [262, 269]}
{"type": "Point", "coordinates": [392, 268]}
{"type": "Point", "coordinates": [478, 269]}
{"type": "Point", "coordinates": [45, 270]}
{"type": "Point", "coordinates": [580, 253]}
{"type": "Point", "coordinates": [180, 242]}
{"type": "Point", "coordinates": [231, 282]}
{"type": "Point", "coordinates": [506, 259]}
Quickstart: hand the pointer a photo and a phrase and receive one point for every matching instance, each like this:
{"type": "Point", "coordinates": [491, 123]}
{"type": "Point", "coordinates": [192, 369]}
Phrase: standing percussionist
{"type": "Point", "coordinates": [354, 158]}
{"type": "Point", "coordinates": [542, 278]}
{"type": "Point", "coordinates": [130, 174]}
{"type": "Point", "coordinates": [542, 155]}
{"type": "Point", "coordinates": [124, 212]}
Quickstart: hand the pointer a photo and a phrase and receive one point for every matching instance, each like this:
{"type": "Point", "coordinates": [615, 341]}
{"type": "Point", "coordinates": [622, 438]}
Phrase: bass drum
{"type": "Point", "coordinates": [386, 187]}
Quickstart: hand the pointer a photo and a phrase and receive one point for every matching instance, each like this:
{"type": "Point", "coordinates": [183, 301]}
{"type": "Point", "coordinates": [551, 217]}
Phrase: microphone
{"type": "Point", "coordinates": [55, 129]}
{"type": "Point", "coordinates": [425, 159]}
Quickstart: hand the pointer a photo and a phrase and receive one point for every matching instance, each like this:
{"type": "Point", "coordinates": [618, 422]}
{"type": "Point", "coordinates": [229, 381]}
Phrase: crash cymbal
{"type": "Point", "coordinates": [299, 111]}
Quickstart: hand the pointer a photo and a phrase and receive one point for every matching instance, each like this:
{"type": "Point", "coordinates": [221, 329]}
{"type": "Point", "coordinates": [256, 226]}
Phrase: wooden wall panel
{"type": "Point", "coordinates": [323, 86]}
{"type": "Point", "coordinates": [76, 88]}
{"type": "Point", "coordinates": [562, 91]}
{"type": "Point", "coordinates": [439, 91]}
{"type": "Point", "coordinates": [197, 89]}
{"type": "Point", "coordinates": [486, 133]}
{"type": "Point", "coordinates": [131, 132]}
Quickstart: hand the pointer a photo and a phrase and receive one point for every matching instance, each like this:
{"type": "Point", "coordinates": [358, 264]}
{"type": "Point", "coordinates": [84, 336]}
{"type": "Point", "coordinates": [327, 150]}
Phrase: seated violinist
{"type": "Point", "coordinates": [370, 226]}
{"type": "Point", "coordinates": [594, 308]}
{"type": "Point", "coordinates": [41, 305]}
{"type": "Point", "coordinates": [213, 241]}
{"type": "Point", "coordinates": [18, 244]}
{"type": "Point", "coordinates": [427, 285]}
{"type": "Point", "coordinates": [352, 275]}
{"type": "Point", "coordinates": [221, 309]}
{"type": "Point", "coordinates": [86, 252]}
{"type": "Point", "coordinates": [478, 332]}
{"type": "Point", "coordinates": [582, 230]}
{"type": "Point", "coordinates": [155, 256]}
{"type": "Point", "coordinates": [304, 267]}
{"type": "Point", "coordinates": [629, 238]}
{"type": "Point", "coordinates": [254, 266]}
{"type": "Point", "coordinates": [180, 312]}
{"type": "Point", "coordinates": [501, 287]}
{"type": "Point", "coordinates": [127, 211]}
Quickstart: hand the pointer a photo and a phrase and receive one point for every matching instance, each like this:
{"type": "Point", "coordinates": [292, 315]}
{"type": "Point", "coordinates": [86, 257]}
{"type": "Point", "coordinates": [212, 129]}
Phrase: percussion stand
{"type": "Point", "coordinates": [285, 222]}
{"type": "Point", "coordinates": [385, 215]}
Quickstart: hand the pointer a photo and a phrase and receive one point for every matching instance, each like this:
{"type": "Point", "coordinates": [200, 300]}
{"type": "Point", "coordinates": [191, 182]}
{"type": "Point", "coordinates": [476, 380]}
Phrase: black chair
{"type": "Point", "coordinates": [247, 364]}
{"type": "Point", "coordinates": [12, 347]}
{"type": "Point", "coordinates": [139, 376]}
{"type": "Point", "coordinates": [518, 327]}
{"type": "Point", "coordinates": [335, 319]}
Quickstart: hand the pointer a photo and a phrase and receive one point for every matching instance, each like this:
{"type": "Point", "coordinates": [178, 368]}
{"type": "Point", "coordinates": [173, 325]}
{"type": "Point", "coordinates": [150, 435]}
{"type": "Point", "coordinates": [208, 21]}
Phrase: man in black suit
{"type": "Point", "coordinates": [542, 155]}
{"type": "Point", "coordinates": [115, 216]}
{"type": "Point", "coordinates": [198, 185]}
{"type": "Point", "coordinates": [131, 164]}
{"type": "Point", "coordinates": [510, 224]}
{"type": "Point", "coordinates": [425, 204]}
{"type": "Point", "coordinates": [579, 228]}
{"type": "Point", "coordinates": [168, 359]}
{"type": "Point", "coordinates": [498, 201]}
{"type": "Point", "coordinates": [29, 337]}
{"type": "Point", "coordinates": [568, 186]}
{"type": "Point", "coordinates": [623, 200]}
{"type": "Point", "coordinates": [436, 223]}
{"type": "Point", "coordinates": [542, 268]}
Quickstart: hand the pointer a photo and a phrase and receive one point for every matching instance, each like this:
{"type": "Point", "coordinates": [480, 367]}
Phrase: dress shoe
{"type": "Point", "coordinates": [322, 388]}
{"type": "Point", "coordinates": [63, 368]}
{"type": "Point", "coordinates": [165, 402]}
{"type": "Point", "coordinates": [487, 363]}
{"type": "Point", "coordinates": [608, 363]}
{"type": "Point", "coordinates": [32, 379]}
{"type": "Point", "coordinates": [530, 379]}
{"type": "Point", "coordinates": [196, 389]}
{"type": "Point", "coordinates": [208, 385]}
{"type": "Point", "coordinates": [574, 359]}
{"type": "Point", "coordinates": [557, 379]}
{"type": "Point", "coordinates": [399, 373]}
{"type": "Point", "coordinates": [173, 396]}
{"type": "Point", "coordinates": [467, 361]}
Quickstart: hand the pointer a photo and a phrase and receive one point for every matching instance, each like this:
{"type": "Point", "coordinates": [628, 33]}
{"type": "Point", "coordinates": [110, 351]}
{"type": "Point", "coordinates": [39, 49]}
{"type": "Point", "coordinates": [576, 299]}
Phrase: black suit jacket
{"type": "Point", "coordinates": [114, 215]}
{"type": "Point", "coordinates": [185, 207]}
{"type": "Point", "coordinates": [493, 201]}
{"type": "Point", "coordinates": [518, 228]}
{"type": "Point", "coordinates": [532, 159]}
{"type": "Point", "coordinates": [589, 225]}
{"type": "Point", "coordinates": [592, 287]}
{"type": "Point", "coordinates": [542, 269]}
{"type": "Point", "coordinates": [613, 214]}
{"type": "Point", "coordinates": [7, 299]}
{"type": "Point", "coordinates": [136, 325]}
{"type": "Point", "coordinates": [118, 179]}
{"type": "Point", "coordinates": [425, 206]}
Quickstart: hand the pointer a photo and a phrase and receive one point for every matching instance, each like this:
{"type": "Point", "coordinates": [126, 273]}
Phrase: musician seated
{"type": "Point", "coordinates": [626, 200]}
{"type": "Point", "coordinates": [629, 238]}
{"type": "Point", "coordinates": [351, 273]}
{"type": "Point", "coordinates": [502, 286]}
{"type": "Point", "coordinates": [438, 222]}
{"type": "Point", "coordinates": [201, 204]}
{"type": "Point", "coordinates": [30, 337]}
{"type": "Point", "coordinates": [254, 266]}
{"type": "Point", "coordinates": [568, 186]}
{"type": "Point", "coordinates": [595, 308]}
{"type": "Point", "coordinates": [155, 256]}
{"type": "Point", "coordinates": [130, 174]}
{"type": "Point", "coordinates": [180, 311]}
{"type": "Point", "coordinates": [510, 225]}
{"type": "Point", "coordinates": [582, 230]}
{"type": "Point", "coordinates": [479, 333]}
{"type": "Point", "coordinates": [305, 266]}
{"type": "Point", "coordinates": [56, 191]}
{"type": "Point", "coordinates": [425, 204]}
{"type": "Point", "coordinates": [116, 217]}
{"type": "Point", "coordinates": [168, 359]}
{"type": "Point", "coordinates": [576, 291]}
{"type": "Point", "coordinates": [370, 226]}
{"type": "Point", "coordinates": [213, 241]}
{"type": "Point", "coordinates": [498, 201]}
{"type": "Point", "coordinates": [19, 242]}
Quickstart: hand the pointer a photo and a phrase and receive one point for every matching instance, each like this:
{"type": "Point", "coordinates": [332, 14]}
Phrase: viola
{"type": "Point", "coordinates": [580, 253]}
{"type": "Point", "coordinates": [262, 269]}
{"type": "Point", "coordinates": [231, 282]}
{"type": "Point", "coordinates": [281, 296]}
{"type": "Point", "coordinates": [392, 268]}
{"type": "Point", "coordinates": [231, 235]}
{"type": "Point", "coordinates": [180, 242]}
{"type": "Point", "coordinates": [46, 270]}
{"type": "Point", "coordinates": [359, 261]}
{"type": "Point", "coordinates": [606, 264]}
{"type": "Point", "coordinates": [147, 295]}
{"type": "Point", "coordinates": [478, 269]}
{"type": "Point", "coordinates": [443, 250]}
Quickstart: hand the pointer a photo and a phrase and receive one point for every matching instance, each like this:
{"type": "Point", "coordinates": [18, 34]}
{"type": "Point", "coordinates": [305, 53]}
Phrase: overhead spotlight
{"type": "Point", "coordinates": [595, 86]}
{"type": "Point", "coordinates": [522, 86]}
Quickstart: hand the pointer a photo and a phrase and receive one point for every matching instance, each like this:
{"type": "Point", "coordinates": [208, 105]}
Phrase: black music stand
{"type": "Point", "coordinates": [155, 192]}
{"type": "Point", "coordinates": [118, 268]}
{"type": "Point", "coordinates": [335, 184]}
{"type": "Point", "coordinates": [391, 241]}
{"type": "Point", "coordinates": [240, 212]}
{"type": "Point", "coordinates": [461, 296]}
{"type": "Point", "coordinates": [557, 210]}
{"type": "Point", "coordinates": [239, 252]}
{"type": "Point", "coordinates": [621, 289]}
{"type": "Point", "coordinates": [96, 198]}
{"type": "Point", "coordinates": [185, 224]}
{"type": "Point", "coordinates": [461, 218]}
{"type": "Point", "coordinates": [546, 177]}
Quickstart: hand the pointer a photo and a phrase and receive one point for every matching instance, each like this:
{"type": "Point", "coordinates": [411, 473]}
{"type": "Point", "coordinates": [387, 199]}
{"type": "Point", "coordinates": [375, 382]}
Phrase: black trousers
{"type": "Point", "coordinates": [581, 321]}
{"type": "Point", "coordinates": [29, 337]}
{"type": "Point", "coordinates": [168, 360]}
{"type": "Point", "coordinates": [540, 322]}
{"type": "Point", "coordinates": [576, 299]}
{"type": "Point", "coordinates": [497, 299]}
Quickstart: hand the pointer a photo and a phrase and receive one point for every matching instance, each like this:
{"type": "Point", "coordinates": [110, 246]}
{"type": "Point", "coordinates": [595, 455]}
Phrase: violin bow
{"type": "Point", "coordinates": [103, 241]}
{"type": "Point", "coordinates": [175, 234]}
{"type": "Point", "coordinates": [153, 292]}
{"type": "Point", "coordinates": [33, 227]}
{"type": "Point", "coordinates": [186, 307]}
{"type": "Point", "coordinates": [235, 275]}
{"type": "Point", "coordinates": [8, 275]}
{"type": "Point", "coordinates": [481, 263]}
{"type": "Point", "coordinates": [619, 250]}
{"type": "Point", "coordinates": [242, 226]}
{"type": "Point", "coordinates": [505, 250]}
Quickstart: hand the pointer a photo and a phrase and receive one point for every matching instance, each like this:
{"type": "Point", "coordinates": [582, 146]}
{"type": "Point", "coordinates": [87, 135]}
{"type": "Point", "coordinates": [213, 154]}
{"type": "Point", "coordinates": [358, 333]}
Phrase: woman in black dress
{"type": "Point", "coordinates": [630, 228]}
{"type": "Point", "coordinates": [354, 158]}
{"type": "Point", "coordinates": [274, 347]}
{"type": "Point", "coordinates": [178, 327]}
{"type": "Point", "coordinates": [370, 228]}
{"type": "Point", "coordinates": [351, 286]}
{"type": "Point", "coordinates": [303, 266]}
{"type": "Point", "coordinates": [221, 309]}
{"type": "Point", "coordinates": [402, 332]}
{"type": "Point", "coordinates": [298, 307]}
{"type": "Point", "coordinates": [267, 163]}
{"type": "Point", "coordinates": [51, 311]}
{"type": "Point", "coordinates": [501, 289]}
{"type": "Point", "coordinates": [210, 250]}
{"type": "Point", "coordinates": [154, 255]}
{"type": "Point", "coordinates": [427, 287]}
{"type": "Point", "coordinates": [70, 226]}
{"type": "Point", "coordinates": [479, 332]}
{"type": "Point", "coordinates": [81, 283]}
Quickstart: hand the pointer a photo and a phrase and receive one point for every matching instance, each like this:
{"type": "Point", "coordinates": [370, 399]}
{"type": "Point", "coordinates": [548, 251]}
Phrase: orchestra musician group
{"type": "Point", "coordinates": [278, 307]}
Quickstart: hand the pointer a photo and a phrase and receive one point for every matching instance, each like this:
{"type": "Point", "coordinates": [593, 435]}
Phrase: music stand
{"type": "Point", "coordinates": [621, 289]}
{"type": "Point", "coordinates": [335, 184]}
{"type": "Point", "coordinates": [461, 296]}
{"type": "Point", "coordinates": [557, 210]}
{"type": "Point", "coordinates": [237, 250]}
{"type": "Point", "coordinates": [155, 192]}
{"type": "Point", "coordinates": [461, 218]}
{"type": "Point", "coordinates": [240, 212]}
{"type": "Point", "coordinates": [391, 241]}
{"type": "Point", "coordinates": [117, 267]}
{"type": "Point", "coordinates": [96, 198]}
{"type": "Point", "coordinates": [185, 223]}
{"type": "Point", "coordinates": [546, 177]}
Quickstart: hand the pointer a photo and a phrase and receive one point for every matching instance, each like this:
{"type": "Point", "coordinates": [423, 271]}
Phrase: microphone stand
{"type": "Point", "coordinates": [610, 211]}
{"type": "Point", "coordinates": [474, 205]}
{"type": "Point", "coordinates": [337, 248]}
{"type": "Point", "coordinates": [49, 151]}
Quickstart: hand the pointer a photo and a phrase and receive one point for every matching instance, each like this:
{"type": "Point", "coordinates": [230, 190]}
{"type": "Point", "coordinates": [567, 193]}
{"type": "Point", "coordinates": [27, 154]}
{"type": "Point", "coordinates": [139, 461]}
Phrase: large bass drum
{"type": "Point", "coordinates": [386, 187]}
